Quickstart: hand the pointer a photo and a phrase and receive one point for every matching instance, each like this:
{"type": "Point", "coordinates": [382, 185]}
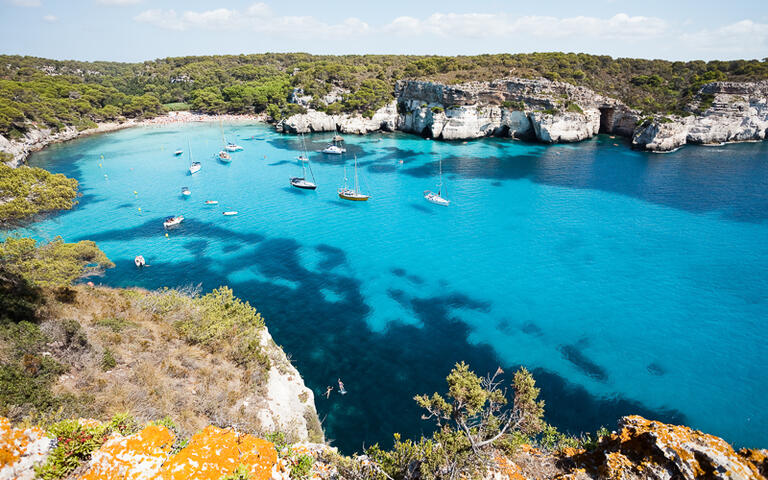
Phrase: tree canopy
{"type": "Point", "coordinates": [26, 191]}
{"type": "Point", "coordinates": [58, 93]}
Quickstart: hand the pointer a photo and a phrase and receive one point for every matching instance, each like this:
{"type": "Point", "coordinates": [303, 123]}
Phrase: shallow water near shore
{"type": "Point", "coordinates": [627, 282]}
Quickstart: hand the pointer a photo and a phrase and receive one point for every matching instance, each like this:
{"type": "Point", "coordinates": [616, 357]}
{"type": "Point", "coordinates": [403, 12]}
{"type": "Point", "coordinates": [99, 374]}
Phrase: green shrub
{"type": "Point", "coordinates": [437, 109]}
{"type": "Point", "coordinates": [572, 107]}
{"type": "Point", "coordinates": [76, 443]}
{"type": "Point", "coordinates": [302, 467]}
{"type": "Point", "coordinates": [113, 323]}
{"type": "Point", "coordinates": [30, 191]}
{"type": "Point", "coordinates": [240, 473]}
{"type": "Point", "coordinates": [108, 361]}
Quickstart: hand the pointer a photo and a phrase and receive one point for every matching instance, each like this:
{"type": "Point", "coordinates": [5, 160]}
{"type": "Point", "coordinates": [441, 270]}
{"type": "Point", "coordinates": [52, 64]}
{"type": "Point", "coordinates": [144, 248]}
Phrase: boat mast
{"type": "Point", "coordinates": [356, 186]}
{"type": "Point", "coordinates": [190, 150]}
{"type": "Point", "coordinates": [440, 178]}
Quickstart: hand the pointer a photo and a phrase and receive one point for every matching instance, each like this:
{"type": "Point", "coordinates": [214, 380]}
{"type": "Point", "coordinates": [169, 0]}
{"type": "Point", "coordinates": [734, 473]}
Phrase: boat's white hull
{"type": "Point", "coordinates": [233, 148]}
{"type": "Point", "coordinates": [172, 223]}
{"type": "Point", "coordinates": [346, 194]}
{"type": "Point", "coordinates": [303, 183]}
{"type": "Point", "coordinates": [334, 150]}
{"type": "Point", "coordinates": [229, 214]}
{"type": "Point", "coordinates": [194, 169]}
{"type": "Point", "coordinates": [436, 199]}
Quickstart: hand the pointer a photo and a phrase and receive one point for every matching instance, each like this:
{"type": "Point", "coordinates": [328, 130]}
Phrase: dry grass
{"type": "Point", "coordinates": [158, 373]}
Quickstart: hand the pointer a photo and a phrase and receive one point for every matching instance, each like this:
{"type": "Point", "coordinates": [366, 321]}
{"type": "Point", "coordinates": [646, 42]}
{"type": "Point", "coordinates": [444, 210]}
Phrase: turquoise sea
{"type": "Point", "coordinates": [627, 282]}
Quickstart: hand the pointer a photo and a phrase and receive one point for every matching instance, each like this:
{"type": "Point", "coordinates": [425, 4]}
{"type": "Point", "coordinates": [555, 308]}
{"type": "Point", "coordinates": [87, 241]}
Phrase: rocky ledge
{"type": "Point", "coordinates": [640, 449]}
{"type": "Point", "coordinates": [551, 112]}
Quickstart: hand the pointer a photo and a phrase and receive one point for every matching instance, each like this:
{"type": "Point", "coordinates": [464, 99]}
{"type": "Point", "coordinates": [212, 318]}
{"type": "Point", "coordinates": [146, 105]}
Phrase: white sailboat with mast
{"type": "Point", "coordinates": [353, 194]}
{"type": "Point", "coordinates": [302, 181]}
{"type": "Point", "coordinates": [194, 167]}
{"type": "Point", "coordinates": [437, 198]}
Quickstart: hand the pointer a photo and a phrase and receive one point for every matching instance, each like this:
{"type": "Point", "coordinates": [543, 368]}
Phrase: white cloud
{"type": "Point", "coordinates": [26, 3]}
{"type": "Point", "coordinates": [482, 25]}
{"type": "Point", "coordinates": [741, 39]}
{"type": "Point", "coordinates": [50, 18]}
{"type": "Point", "coordinates": [258, 17]}
{"type": "Point", "coordinates": [118, 2]}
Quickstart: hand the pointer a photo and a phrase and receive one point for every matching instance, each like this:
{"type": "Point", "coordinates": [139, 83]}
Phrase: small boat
{"type": "Point", "coordinates": [232, 147]}
{"type": "Point", "coordinates": [186, 191]}
{"type": "Point", "coordinates": [334, 149]}
{"type": "Point", "coordinates": [336, 146]}
{"type": "Point", "coordinates": [353, 194]}
{"type": "Point", "coordinates": [224, 157]}
{"type": "Point", "coordinates": [230, 213]}
{"type": "Point", "coordinates": [302, 182]}
{"type": "Point", "coordinates": [211, 202]}
{"type": "Point", "coordinates": [437, 198]}
{"type": "Point", "coordinates": [173, 221]}
{"type": "Point", "coordinates": [228, 146]}
{"type": "Point", "coordinates": [139, 261]}
{"type": "Point", "coordinates": [178, 152]}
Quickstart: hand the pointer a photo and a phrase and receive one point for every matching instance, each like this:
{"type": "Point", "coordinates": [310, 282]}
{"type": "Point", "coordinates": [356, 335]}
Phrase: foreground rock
{"type": "Point", "coordinates": [21, 449]}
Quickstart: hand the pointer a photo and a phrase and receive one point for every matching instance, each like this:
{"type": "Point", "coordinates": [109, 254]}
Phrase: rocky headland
{"type": "Point", "coordinates": [639, 449]}
{"type": "Point", "coordinates": [551, 112]}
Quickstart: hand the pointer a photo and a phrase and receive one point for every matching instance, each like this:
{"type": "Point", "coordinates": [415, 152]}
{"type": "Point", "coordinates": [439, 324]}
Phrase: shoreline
{"type": "Point", "coordinates": [37, 139]}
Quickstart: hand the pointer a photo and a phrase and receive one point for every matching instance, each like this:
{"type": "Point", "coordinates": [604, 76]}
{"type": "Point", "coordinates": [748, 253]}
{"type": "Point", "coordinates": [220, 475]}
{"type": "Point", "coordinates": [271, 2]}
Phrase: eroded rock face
{"type": "Point", "coordinates": [662, 137]}
{"type": "Point", "coordinates": [566, 126]}
{"type": "Point", "coordinates": [645, 449]}
{"type": "Point", "coordinates": [21, 450]}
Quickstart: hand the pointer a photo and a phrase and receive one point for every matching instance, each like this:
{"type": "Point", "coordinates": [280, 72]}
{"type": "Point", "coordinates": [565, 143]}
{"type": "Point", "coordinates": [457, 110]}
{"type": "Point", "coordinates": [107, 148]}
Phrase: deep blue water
{"type": "Point", "coordinates": [627, 282]}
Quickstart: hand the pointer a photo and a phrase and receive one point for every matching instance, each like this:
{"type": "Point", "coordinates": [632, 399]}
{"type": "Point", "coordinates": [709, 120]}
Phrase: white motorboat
{"type": "Point", "coordinates": [139, 261]}
{"type": "Point", "coordinates": [230, 213]}
{"type": "Point", "coordinates": [334, 149]}
{"type": "Point", "coordinates": [173, 221]}
{"type": "Point", "coordinates": [195, 167]}
{"type": "Point", "coordinates": [178, 152]}
{"type": "Point", "coordinates": [232, 147]}
{"type": "Point", "coordinates": [224, 157]}
{"type": "Point", "coordinates": [211, 202]}
{"type": "Point", "coordinates": [186, 191]}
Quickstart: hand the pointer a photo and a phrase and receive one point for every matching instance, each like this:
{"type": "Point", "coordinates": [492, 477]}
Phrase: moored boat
{"type": "Point", "coordinates": [229, 213]}
{"type": "Point", "coordinates": [224, 157]}
{"type": "Point", "coordinates": [303, 183]}
{"type": "Point", "coordinates": [232, 147]}
{"type": "Point", "coordinates": [352, 194]}
{"type": "Point", "coordinates": [178, 152]}
{"type": "Point", "coordinates": [195, 167]}
{"type": "Point", "coordinates": [211, 202]}
{"type": "Point", "coordinates": [173, 221]}
{"type": "Point", "coordinates": [437, 198]}
{"type": "Point", "coordinates": [139, 261]}
{"type": "Point", "coordinates": [186, 191]}
{"type": "Point", "coordinates": [336, 147]}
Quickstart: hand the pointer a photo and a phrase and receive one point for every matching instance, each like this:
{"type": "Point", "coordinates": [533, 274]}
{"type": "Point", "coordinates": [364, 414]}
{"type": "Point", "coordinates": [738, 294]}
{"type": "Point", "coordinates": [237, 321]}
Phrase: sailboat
{"type": "Point", "coordinates": [302, 182]}
{"type": "Point", "coordinates": [223, 155]}
{"type": "Point", "coordinates": [228, 146]}
{"type": "Point", "coordinates": [352, 194]}
{"type": "Point", "coordinates": [437, 198]}
{"type": "Point", "coordinates": [194, 167]}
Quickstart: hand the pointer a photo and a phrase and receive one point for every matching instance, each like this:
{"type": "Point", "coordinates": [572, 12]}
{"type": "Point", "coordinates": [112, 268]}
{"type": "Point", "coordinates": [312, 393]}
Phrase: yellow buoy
{"type": "Point", "coordinates": [135, 192]}
{"type": "Point", "coordinates": [166, 235]}
{"type": "Point", "coordinates": [99, 165]}
{"type": "Point", "coordinates": [139, 208]}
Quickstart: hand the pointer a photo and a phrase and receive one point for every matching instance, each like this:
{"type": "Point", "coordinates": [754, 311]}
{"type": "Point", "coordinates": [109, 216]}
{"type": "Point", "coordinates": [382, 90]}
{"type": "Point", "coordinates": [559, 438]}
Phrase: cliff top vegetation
{"type": "Point", "coordinates": [58, 93]}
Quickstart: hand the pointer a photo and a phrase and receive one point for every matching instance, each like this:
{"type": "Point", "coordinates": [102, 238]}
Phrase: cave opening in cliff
{"type": "Point", "coordinates": [606, 119]}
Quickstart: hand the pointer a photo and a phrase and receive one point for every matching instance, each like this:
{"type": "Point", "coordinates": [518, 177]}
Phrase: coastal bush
{"type": "Point", "coordinates": [53, 264]}
{"type": "Point", "coordinates": [302, 467]}
{"type": "Point", "coordinates": [26, 191]}
{"type": "Point", "coordinates": [437, 109]}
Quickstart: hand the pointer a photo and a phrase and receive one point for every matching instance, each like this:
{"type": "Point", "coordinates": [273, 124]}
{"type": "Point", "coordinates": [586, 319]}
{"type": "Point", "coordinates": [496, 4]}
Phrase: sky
{"type": "Point", "coordinates": [138, 30]}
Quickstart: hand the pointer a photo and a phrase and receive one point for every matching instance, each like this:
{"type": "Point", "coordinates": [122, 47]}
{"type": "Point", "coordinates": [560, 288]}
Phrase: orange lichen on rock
{"type": "Point", "coordinates": [216, 452]}
{"type": "Point", "coordinates": [135, 457]}
{"type": "Point", "coordinates": [509, 469]}
{"type": "Point", "coordinates": [21, 449]}
{"type": "Point", "coordinates": [695, 454]}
